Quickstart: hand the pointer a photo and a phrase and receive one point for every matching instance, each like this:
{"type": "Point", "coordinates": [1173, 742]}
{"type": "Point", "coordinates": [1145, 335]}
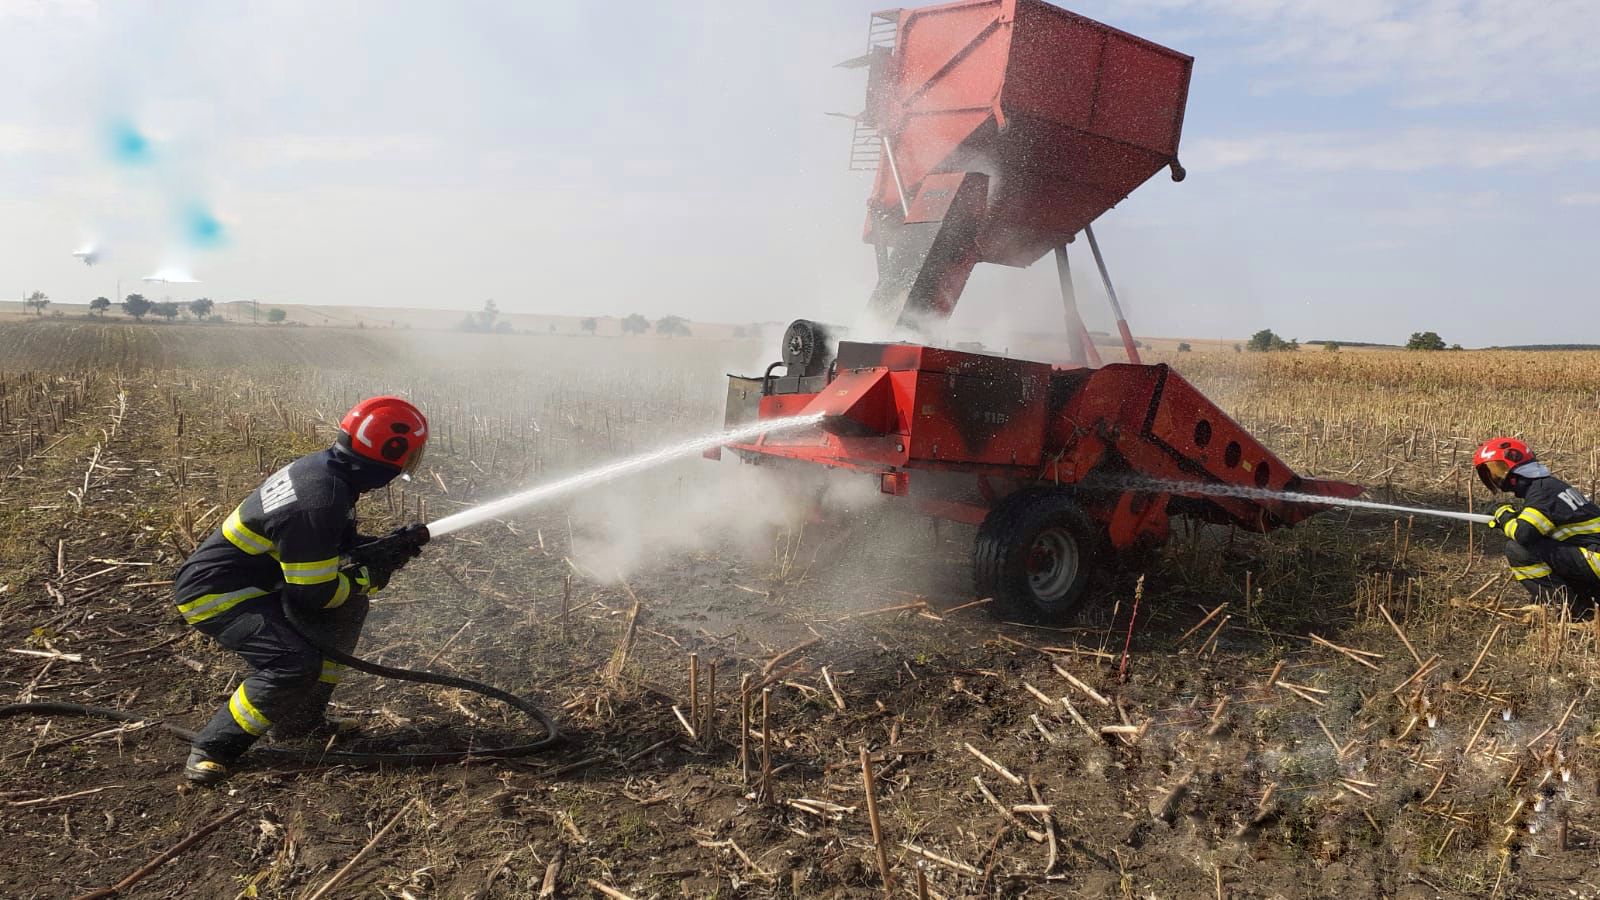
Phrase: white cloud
{"type": "Point", "coordinates": [293, 149]}
{"type": "Point", "coordinates": [1410, 150]}
{"type": "Point", "coordinates": [41, 9]}
{"type": "Point", "coordinates": [1420, 52]}
{"type": "Point", "coordinates": [1582, 198]}
{"type": "Point", "coordinates": [19, 140]}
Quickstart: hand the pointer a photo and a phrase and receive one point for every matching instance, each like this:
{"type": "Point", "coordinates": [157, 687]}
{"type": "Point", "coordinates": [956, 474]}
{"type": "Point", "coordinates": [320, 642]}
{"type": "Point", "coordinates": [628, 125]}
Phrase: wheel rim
{"type": "Point", "coordinates": [1052, 564]}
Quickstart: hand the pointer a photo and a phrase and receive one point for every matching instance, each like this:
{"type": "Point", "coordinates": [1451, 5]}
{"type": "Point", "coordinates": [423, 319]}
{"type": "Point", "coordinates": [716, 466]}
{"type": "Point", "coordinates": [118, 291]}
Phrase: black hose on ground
{"type": "Point", "coordinates": [552, 735]}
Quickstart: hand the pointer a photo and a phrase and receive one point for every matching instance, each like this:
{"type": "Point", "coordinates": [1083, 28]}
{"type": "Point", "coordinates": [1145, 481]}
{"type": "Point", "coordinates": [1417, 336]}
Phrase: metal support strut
{"type": "Point", "coordinates": [1111, 292]}
{"type": "Point", "coordinates": [894, 170]}
{"type": "Point", "coordinates": [1080, 344]}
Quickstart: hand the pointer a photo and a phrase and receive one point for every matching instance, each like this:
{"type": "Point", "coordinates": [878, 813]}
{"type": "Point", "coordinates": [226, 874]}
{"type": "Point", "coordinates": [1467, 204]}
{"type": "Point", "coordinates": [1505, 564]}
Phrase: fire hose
{"type": "Point", "coordinates": [415, 536]}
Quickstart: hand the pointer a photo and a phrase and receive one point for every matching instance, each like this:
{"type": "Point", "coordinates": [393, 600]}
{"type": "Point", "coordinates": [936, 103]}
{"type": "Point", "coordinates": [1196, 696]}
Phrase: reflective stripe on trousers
{"type": "Point", "coordinates": [1593, 559]}
{"type": "Point", "coordinates": [332, 672]}
{"type": "Point", "coordinates": [246, 715]}
{"type": "Point", "coordinates": [1524, 573]}
{"type": "Point", "coordinates": [213, 605]}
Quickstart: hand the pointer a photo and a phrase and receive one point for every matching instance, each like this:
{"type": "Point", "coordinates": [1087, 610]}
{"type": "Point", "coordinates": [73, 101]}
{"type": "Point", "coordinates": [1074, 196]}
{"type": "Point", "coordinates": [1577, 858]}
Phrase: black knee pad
{"type": "Point", "coordinates": [295, 671]}
{"type": "Point", "coordinates": [1518, 555]}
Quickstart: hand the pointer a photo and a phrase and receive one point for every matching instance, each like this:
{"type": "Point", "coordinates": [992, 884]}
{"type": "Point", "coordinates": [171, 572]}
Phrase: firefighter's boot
{"type": "Point", "coordinates": [202, 769]}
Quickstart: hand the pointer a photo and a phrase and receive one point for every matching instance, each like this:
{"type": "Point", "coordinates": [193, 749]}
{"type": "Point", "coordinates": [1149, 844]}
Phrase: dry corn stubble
{"type": "Point", "coordinates": [1336, 775]}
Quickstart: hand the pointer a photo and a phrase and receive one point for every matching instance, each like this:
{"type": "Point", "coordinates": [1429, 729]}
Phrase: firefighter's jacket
{"type": "Point", "coordinates": [1553, 509]}
{"type": "Point", "coordinates": [291, 533]}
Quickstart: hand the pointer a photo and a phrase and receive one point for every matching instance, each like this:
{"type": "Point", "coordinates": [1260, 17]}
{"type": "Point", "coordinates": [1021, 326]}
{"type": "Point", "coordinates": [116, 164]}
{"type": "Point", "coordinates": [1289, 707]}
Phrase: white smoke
{"type": "Point", "coordinates": [750, 512]}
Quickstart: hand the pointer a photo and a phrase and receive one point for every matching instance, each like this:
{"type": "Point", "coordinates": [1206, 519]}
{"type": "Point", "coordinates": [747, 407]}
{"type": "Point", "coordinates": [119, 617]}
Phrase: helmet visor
{"type": "Point", "coordinates": [413, 464]}
{"type": "Point", "coordinates": [1493, 474]}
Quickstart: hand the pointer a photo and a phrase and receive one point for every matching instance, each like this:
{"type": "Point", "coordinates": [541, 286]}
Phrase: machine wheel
{"type": "Point", "coordinates": [1035, 552]}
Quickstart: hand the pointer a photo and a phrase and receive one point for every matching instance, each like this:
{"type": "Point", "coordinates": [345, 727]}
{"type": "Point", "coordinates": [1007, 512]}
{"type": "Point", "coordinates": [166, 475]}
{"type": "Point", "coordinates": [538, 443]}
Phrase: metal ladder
{"type": "Point", "coordinates": [866, 148]}
{"type": "Point", "coordinates": [882, 30]}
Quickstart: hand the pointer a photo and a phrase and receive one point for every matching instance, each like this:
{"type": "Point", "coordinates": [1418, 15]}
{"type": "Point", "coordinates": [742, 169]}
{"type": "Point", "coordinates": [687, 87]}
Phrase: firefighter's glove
{"type": "Point", "coordinates": [392, 551]}
{"type": "Point", "coordinates": [368, 579]}
{"type": "Point", "coordinates": [1503, 514]}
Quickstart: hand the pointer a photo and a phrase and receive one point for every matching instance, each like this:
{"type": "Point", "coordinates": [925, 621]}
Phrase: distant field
{"type": "Point", "coordinates": [370, 317]}
{"type": "Point", "coordinates": [68, 343]}
{"type": "Point", "coordinates": [1046, 346]}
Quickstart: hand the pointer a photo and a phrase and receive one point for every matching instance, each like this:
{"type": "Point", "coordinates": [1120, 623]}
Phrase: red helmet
{"type": "Point", "coordinates": [386, 430]}
{"type": "Point", "coordinates": [1498, 458]}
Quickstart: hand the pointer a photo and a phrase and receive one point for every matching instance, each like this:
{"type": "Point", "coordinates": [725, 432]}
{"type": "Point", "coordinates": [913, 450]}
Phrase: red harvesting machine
{"type": "Point", "coordinates": [1000, 129]}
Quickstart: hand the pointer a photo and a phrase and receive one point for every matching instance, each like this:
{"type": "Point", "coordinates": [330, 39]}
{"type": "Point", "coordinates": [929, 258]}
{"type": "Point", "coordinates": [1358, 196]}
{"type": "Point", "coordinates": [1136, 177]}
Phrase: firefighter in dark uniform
{"type": "Point", "coordinates": [1553, 536]}
{"type": "Point", "coordinates": [290, 540]}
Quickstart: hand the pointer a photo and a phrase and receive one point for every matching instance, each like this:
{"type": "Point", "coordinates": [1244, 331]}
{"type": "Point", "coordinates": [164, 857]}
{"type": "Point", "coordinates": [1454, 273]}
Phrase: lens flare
{"type": "Point", "coordinates": [127, 144]}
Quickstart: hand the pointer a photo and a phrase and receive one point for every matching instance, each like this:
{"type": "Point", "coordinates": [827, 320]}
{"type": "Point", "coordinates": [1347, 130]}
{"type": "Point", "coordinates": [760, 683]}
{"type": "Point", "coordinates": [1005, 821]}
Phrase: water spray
{"type": "Point", "coordinates": [497, 508]}
{"type": "Point", "coordinates": [545, 492]}
{"type": "Point", "coordinates": [1249, 493]}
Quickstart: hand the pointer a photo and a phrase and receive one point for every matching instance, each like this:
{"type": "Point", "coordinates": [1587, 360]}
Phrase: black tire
{"type": "Point", "coordinates": [1035, 553]}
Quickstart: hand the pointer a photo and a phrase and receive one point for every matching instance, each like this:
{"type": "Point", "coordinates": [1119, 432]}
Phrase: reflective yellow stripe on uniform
{"type": "Point", "coordinates": [1512, 527]}
{"type": "Point", "coordinates": [332, 672]}
{"type": "Point", "coordinates": [340, 594]}
{"type": "Point", "coordinates": [319, 571]}
{"type": "Point", "coordinates": [1524, 573]}
{"type": "Point", "coordinates": [245, 713]}
{"type": "Point", "coordinates": [241, 536]}
{"type": "Point", "coordinates": [1593, 559]}
{"type": "Point", "coordinates": [203, 608]}
{"type": "Point", "coordinates": [1587, 526]}
{"type": "Point", "coordinates": [1537, 519]}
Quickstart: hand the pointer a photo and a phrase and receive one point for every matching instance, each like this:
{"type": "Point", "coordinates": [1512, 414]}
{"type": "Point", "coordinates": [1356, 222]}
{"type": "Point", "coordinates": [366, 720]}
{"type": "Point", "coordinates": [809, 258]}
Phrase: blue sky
{"type": "Point", "coordinates": [1358, 169]}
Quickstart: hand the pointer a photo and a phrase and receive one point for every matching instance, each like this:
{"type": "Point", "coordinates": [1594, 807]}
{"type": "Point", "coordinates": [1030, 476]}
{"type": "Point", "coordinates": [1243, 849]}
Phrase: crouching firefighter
{"type": "Point", "coordinates": [1553, 537]}
{"type": "Point", "coordinates": [292, 540]}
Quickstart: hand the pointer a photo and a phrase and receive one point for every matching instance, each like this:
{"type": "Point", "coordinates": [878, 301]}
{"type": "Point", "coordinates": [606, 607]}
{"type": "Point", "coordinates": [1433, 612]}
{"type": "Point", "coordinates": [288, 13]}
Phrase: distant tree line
{"type": "Point", "coordinates": [635, 324]}
{"type": "Point", "coordinates": [1267, 340]}
{"type": "Point", "coordinates": [138, 306]}
{"type": "Point", "coordinates": [486, 320]}
{"type": "Point", "coordinates": [1428, 340]}
{"type": "Point", "coordinates": [673, 326]}
{"type": "Point", "coordinates": [1541, 347]}
{"type": "Point", "coordinates": [666, 326]}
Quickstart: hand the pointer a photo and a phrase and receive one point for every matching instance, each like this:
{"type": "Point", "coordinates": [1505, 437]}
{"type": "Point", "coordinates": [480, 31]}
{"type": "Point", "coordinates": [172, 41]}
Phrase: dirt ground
{"type": "Point", "coordinates": [1436, 738]}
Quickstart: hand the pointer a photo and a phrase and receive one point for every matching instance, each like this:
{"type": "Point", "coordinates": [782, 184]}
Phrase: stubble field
{"type": "Point", "coordinates": [1435, 738]}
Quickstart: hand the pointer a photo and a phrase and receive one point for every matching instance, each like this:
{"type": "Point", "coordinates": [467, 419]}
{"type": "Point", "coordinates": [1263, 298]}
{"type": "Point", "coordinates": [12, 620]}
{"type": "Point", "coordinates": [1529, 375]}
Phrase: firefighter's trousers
{"type": "Point", "coordinates": [290, 682]}
{"type": "Point", "coordinates": [1549, 566]}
